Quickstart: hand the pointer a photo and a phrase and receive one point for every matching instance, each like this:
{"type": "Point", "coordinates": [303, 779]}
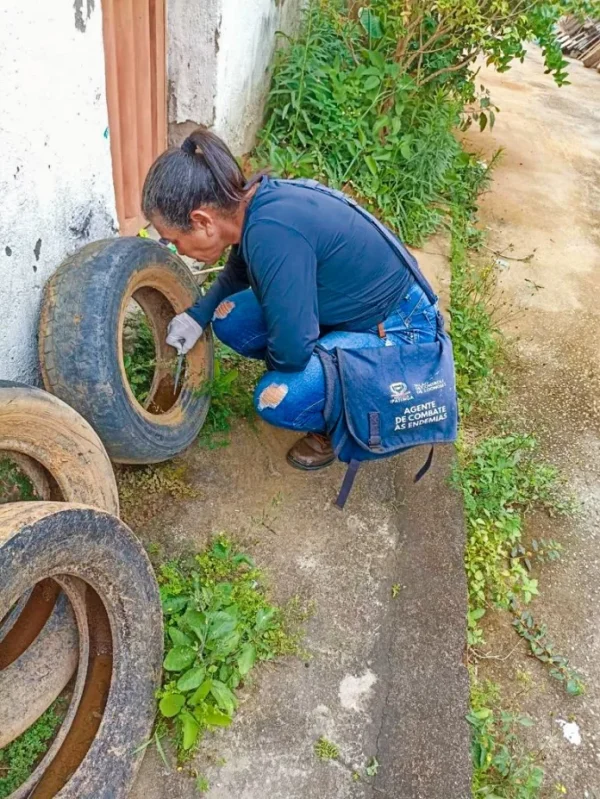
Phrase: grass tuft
{"type": "Point", "coordinates": [19, 758]}
{"type": "Point", "coordinates": [326, 750]}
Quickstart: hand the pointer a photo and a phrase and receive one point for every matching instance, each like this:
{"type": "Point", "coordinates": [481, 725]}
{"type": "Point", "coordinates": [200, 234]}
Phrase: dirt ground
{"type": "Point", "coordinates": [545, 201]}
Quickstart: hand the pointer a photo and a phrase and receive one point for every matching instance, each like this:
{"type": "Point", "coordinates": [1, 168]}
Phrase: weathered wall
{"type": "Point", "coordinates": [246, 47]}
{"type": "Point", "coordinates": [192, 44]}
{"type": "Point", "coordinates": [55, 170]}
{"type": "Point", "coordinates": [219, 56]}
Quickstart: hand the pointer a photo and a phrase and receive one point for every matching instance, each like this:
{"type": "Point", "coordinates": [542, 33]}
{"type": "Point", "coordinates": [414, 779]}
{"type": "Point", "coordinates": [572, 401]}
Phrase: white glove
{"type": "Point", "coordinates": [183, 332]}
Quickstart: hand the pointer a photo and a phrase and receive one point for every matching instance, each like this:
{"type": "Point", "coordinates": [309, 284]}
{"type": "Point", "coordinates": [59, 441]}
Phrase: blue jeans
{"type": "Point", "coordinates": [300, 400]}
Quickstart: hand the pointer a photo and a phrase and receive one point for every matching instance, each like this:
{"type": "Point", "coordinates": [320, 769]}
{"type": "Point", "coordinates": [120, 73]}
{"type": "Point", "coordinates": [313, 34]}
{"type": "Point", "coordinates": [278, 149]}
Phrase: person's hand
{"type": "Point", "coordinates": [183, 332]}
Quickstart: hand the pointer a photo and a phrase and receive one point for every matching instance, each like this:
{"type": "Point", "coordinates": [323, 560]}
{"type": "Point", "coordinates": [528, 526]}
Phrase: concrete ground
{"type": "Point", "coordinates": [545, 201]}
{"type": "Point", "coordinates": [386, 678]}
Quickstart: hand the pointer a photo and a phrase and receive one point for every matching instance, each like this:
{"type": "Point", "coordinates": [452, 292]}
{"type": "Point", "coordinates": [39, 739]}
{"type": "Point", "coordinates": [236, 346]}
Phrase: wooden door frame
{"type": "Point", "coordinates": [135, 66]}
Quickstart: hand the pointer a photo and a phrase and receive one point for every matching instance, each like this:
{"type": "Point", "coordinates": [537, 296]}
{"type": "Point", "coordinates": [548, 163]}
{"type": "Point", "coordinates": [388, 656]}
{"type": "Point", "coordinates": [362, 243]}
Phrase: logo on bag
{"type": "Point", "coordinates": [399, 392]}
{"type": "Point", "coordinates": [431, 385]}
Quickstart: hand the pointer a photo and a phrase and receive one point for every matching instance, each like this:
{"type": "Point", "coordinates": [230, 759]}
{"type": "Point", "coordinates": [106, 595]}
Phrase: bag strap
{"type": "Point", "coordinates": [346, 488]}
{"type": "Point", "coordinates": [352, 471]}
{"type": "Point", "coordinates": [408, 259]}
{"type": "Point", "coordinates": [425, 467]}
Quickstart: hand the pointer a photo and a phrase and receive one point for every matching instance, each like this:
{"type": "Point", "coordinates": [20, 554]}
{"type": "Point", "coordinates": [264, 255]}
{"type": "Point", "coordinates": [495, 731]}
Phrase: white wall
{"type": "Point", "coordinates": [219, 57]}
{"type": "Point", "coordinates": [192, 33]}
{"type": "Point", "coordinates": [56, 190]}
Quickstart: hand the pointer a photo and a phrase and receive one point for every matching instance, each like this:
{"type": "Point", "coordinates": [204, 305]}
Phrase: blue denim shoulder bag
{"type": "Point", "coordinates": [381, 401]}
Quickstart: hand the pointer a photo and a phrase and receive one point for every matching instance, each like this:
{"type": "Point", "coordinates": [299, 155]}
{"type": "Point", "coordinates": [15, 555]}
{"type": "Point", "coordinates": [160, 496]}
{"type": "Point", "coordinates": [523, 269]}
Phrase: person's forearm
{"type": "Point", "coordinates": [231, 280]}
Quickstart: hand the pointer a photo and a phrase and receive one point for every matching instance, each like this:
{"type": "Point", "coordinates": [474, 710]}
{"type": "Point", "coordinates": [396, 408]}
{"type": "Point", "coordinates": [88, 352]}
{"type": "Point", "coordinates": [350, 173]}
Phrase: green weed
{"type": "Point", "coordinates": [14, 485]}
{"type": "Point", "coordinates": [19, 758]}
{"type": "Point", "coordinates": [542, 648]}
{"type": "Point", "coordinates": [326, 750]}
{"type": "Point", "coordinates": [372, 767]}
{"type": "Point", "coordinates": [139, 356]}
{"type": "Point", "coordinates": [231, 395]}
{"type": "Point", "coordinates": [501, 479]}
{"type": "Point", "coordinates": [219, 623]}
{"type": "Point", "coordinates": [144, 490]}
{"type": "Point", "coordinates": [343, 112]}
{"type": "Point", "coordinates": [369, 101]}
{"type": "Point", "coordinates": [502, 767]}
{"type": "Point", "coordinates": [478, 345]}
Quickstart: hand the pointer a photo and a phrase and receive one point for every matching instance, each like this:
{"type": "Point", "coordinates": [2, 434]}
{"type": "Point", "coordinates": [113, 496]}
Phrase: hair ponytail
{"type": "Point", "coordinates": [200, 172]}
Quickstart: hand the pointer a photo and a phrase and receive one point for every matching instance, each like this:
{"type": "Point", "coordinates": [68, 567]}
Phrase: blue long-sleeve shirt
{"type": "Point", "coordinates": [315, 264]}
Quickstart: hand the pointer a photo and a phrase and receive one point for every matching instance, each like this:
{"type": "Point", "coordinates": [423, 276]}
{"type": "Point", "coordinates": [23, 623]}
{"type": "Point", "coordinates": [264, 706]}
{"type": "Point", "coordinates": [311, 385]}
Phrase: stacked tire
{"type": "Point", "coordinates": [79, 605]}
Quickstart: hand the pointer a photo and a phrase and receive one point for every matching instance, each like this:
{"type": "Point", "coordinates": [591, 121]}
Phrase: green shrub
{"type": "Point", "coordinates": [345, 114]}
{"type": "Point", "coordinates": [369, 101]}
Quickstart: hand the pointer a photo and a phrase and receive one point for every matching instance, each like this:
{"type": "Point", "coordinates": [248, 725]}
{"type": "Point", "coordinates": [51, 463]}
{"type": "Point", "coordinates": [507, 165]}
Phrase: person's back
{"type": "Point", "coordinates": [358, 277]}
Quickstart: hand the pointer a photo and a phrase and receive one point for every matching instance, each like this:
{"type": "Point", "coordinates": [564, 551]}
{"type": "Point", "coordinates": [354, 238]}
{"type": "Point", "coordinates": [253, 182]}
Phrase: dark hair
{"type": "Point", "coordinates": [200, 172]}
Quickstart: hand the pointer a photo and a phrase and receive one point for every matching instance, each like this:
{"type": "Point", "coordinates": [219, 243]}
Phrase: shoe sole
{"type": "Point", "coordinates": [303, 468]}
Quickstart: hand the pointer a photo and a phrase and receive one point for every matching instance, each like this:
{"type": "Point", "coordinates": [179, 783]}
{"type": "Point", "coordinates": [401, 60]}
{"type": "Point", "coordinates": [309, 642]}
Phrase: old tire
{"type": "Point", "coordinates": [81, 349]}
{"type": "Point", "coordinates": [31, 682]}
{"type": "Point", "coordinates": [53, 436]}
{"type": "Point", "coordinates": [65, 460]}
{"type": "Point", "coordinates": [95, 556]}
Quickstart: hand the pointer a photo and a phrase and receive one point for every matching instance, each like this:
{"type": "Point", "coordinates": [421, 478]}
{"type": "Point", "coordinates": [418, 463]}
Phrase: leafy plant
{"type": "Point", "coordinates": [437, 42]}
{"type": "Point", "coordinates": [541, 550]}
{"type": "Point", "coordinates": [19, 758]}
{"type": "Point", "coordinates": [372, 767]}
{"type": "Point", "coordinates": [501, 479]}
{"type": "Point", "coordinates": [542, 649]}
{"type": "Point", "coordinates": [325, 118]}
{"type": "Point", "coordinates": [501, 765]}
{"type": "Point", "coordinates": [326, 750]}
{"type": "Point", "coordinates": [139, 357]}
{"type": "Point", "coordinates": [219, 623]}
{"type": "Point", "coordinates": [369, 101]}
{"type": "Point", "coordinates": [231, 392]}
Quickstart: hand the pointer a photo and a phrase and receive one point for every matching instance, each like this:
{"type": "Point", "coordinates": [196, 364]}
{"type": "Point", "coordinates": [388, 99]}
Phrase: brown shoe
{"type": "Point", "coordinates": [311, 453]}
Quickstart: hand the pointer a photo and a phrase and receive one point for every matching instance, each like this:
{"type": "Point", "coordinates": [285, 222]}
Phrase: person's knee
{"type": "Point", "coordinates": [224, 309]}
{"type": "Point", "coordinates": [237, 322]}
{"type": "Point", "coordinates": [293, 401]}
{"type": "Point", "coordinates": [268, 396]}
{"type": "Point", "coordinates": [224, 324]}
